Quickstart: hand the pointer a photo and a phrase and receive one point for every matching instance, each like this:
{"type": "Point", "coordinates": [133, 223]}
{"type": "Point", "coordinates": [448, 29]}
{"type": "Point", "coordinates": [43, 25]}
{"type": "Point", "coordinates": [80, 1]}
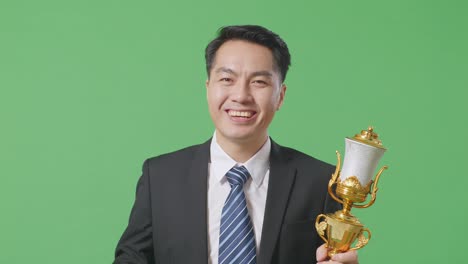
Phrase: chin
{"type": "Point", "coordinates": [239, 136]}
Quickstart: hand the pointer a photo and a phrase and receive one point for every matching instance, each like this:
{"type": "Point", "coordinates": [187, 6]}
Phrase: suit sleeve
{"type": "Point", "coordinates": [136, 244]}
{"type": "Point", "coordinates": [330, 206]}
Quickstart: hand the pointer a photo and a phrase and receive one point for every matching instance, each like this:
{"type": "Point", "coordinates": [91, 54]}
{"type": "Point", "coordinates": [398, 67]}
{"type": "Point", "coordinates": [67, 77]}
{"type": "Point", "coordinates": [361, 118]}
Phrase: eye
{"type": "Point", "coordinates": [260, 83]}
{"type": "Point", "coordinates": [225, 80]}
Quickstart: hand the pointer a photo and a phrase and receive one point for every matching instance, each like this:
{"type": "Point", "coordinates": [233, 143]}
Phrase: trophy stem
{"type": "Point", "coordinates": [347, 205]}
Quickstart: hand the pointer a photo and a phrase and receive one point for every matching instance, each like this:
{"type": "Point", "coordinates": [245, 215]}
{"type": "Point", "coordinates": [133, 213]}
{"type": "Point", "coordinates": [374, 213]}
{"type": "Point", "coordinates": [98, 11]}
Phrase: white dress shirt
{"type": "Point", "coordinates": [255, 190]}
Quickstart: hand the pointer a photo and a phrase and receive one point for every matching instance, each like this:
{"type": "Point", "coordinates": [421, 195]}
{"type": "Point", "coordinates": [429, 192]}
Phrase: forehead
{"type": "Point", "coordinates": [242, 56]}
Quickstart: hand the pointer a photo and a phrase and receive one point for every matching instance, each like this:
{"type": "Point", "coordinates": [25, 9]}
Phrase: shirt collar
{"type": "Point", "coordinates": [257, 165]}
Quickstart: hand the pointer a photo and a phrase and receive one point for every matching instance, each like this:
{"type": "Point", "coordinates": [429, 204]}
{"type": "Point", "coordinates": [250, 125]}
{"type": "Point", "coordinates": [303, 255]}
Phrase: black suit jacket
{"type": "Point", "coordinates": [168, 222]}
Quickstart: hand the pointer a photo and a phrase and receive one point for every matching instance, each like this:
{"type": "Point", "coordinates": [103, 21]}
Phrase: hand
{"type": "Point", "coordinates": [349, 257]}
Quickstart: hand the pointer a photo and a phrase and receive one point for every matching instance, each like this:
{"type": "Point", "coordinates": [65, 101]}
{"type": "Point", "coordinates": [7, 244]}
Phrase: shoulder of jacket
{"type": "Point", "coordinates": [302, 159]}
{"type": "Point", "coordinates": [186, 153]}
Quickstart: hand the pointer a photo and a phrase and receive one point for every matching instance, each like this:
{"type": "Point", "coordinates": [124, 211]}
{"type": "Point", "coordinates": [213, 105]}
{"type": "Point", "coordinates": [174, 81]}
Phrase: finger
{"type": "Point", "coordinates": [329, 262]}
{"type": "Point", "coordinates": [321, 253]}
{"type": "Point", "coordinates": [346, 257]}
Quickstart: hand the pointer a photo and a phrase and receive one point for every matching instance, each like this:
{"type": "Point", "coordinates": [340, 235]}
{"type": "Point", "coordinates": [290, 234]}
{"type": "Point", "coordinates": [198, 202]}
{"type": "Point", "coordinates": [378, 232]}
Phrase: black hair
{"type": "Point", "coordinates": [255, 34]}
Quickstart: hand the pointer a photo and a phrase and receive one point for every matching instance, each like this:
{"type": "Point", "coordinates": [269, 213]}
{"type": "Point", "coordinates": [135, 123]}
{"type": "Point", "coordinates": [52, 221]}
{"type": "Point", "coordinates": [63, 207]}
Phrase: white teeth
{"type": "Point", "coordinates": [240, 113]}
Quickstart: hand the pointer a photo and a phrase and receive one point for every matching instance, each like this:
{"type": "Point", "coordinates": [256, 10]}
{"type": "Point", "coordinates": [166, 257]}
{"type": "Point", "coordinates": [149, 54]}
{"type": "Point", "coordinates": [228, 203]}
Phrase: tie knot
{"type": "Point", "coordinates": [237, 176]}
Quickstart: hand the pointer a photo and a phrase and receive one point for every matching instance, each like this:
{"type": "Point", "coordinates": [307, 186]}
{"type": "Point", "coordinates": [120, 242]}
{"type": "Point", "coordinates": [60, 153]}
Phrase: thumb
{"type": "Point", "coordinates": [322, 253]}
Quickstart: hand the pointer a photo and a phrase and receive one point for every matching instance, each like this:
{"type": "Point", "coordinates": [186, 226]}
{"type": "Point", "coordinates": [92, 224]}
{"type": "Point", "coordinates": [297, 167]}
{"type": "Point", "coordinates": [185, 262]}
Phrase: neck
{"type": "Point", "coordinates": [242, 150]}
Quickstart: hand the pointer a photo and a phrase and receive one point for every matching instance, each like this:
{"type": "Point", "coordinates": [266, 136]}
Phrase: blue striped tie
{"type": "Point", "coordinates": [236, 235]}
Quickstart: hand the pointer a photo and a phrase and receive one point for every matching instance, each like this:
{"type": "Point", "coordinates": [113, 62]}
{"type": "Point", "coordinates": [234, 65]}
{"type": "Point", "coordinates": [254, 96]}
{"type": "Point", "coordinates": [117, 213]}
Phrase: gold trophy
{"type": "Point", "coordinates": [341, 229]}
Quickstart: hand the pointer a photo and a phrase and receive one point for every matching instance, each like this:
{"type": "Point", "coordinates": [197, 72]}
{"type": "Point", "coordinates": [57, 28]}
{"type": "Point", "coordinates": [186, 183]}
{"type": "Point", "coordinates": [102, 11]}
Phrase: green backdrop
{"type": "Point", "coordinates": [89, 89]}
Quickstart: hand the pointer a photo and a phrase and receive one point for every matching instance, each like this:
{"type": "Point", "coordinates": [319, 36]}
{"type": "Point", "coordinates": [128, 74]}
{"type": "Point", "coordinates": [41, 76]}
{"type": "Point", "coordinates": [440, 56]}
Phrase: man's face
{"type": "Point", "coordinates": [244, 91]}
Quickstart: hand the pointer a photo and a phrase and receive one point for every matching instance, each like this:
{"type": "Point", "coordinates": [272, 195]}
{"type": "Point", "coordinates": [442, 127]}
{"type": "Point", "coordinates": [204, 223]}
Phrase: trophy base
{"type": "Point", "coordinates": [342, 230]}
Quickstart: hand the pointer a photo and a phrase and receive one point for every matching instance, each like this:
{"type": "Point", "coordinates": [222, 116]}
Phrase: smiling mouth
{"type": "Point", "coordinates": [242, 114]}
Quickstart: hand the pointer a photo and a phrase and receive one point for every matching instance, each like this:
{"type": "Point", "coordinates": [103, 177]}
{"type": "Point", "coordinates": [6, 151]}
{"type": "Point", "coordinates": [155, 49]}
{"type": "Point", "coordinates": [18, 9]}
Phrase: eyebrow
{"type": "Point", "coordinates": [262, 73]}
{"type": "Point", "coordinates": [254, 74]}
{"type": "Point", "coordinates": [226, 70]}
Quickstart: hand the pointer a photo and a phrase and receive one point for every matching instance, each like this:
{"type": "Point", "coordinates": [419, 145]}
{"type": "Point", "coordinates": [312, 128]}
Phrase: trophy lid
{"type": "Point", "coordinates": [369, 137]}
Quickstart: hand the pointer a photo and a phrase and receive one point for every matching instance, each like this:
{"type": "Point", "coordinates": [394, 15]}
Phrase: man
{"type": "Point", "coordinates": [239, 197]}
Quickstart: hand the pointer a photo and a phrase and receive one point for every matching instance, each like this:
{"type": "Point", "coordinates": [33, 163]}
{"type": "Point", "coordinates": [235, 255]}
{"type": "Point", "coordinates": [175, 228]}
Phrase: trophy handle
{"type": "Point", "coordinates": [334, 178]}
{"type": "Point", "coordinates": [321, 227]}
{"type": "Point", "coordinates": [362, 240]}
{"type": "Point", "coordinates": [374, 190]}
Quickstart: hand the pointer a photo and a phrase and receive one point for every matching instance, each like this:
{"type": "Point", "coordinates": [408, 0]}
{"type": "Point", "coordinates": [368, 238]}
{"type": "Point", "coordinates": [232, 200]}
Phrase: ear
{"type": "Point", "coordinates": [207, 82]}
{"type": "Point", "coordinates": [281, 96]}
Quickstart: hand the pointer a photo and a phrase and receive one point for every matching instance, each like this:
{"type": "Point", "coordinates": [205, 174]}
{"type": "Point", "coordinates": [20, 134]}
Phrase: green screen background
{"type": "Point", "coordinates": [89, 89]}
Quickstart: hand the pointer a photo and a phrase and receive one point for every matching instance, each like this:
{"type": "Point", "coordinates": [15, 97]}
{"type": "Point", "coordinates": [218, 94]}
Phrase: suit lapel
{"type": "Point", "coordinates": [196, 190]}
{"type": "Point", "coordinates": [281, 180]}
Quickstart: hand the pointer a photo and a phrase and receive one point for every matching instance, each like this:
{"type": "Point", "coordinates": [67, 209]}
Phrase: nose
{"type": "Point", "coordinates": [241, 93]}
